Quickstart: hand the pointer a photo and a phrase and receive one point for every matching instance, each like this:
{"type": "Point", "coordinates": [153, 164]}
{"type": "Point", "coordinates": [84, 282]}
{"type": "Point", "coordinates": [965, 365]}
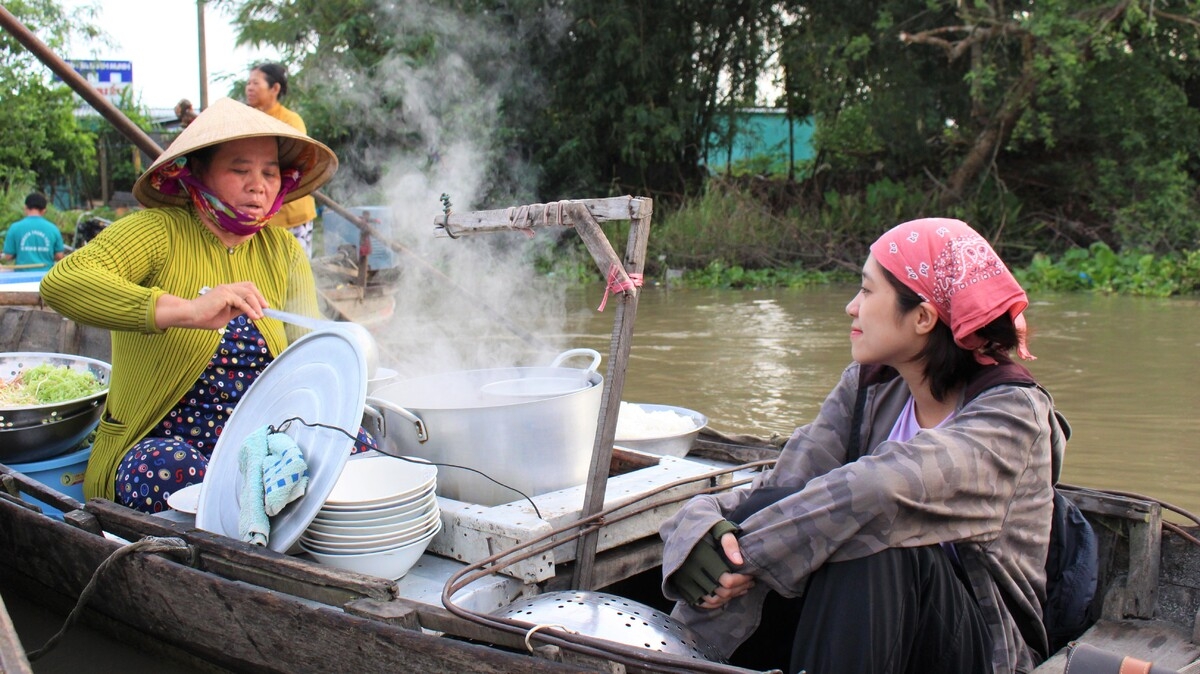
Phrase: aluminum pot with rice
{"type": "Point", "coordinates": [658, 429]}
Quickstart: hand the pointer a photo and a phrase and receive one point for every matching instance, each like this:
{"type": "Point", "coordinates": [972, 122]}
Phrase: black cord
{"type": "Point", "coordinates": [284, 425]}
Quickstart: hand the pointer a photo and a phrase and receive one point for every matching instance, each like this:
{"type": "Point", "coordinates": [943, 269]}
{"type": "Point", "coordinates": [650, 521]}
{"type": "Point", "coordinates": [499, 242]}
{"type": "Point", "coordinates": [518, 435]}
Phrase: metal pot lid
{"type": "Point", "coordinates": [613, 618]}
{"type": "Point", "coordinates": [320, 379]}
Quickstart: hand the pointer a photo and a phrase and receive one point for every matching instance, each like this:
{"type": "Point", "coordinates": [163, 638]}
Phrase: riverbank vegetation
{"type": "Point", "coordinates": [731, 238]}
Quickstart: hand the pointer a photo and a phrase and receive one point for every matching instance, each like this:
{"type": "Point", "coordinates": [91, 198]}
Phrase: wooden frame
{"type": "Point", "coordinates": [585, 215]}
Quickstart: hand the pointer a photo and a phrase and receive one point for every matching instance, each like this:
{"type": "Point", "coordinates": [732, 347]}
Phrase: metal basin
{"type": "Point", "coordinates": [39, 442]}
{"type": "Point", "coordinates": [673, 444]}
{"type": "Point", "coordinates": [536, 387]}
{"type": "Point", "coordinates": [13, 363]}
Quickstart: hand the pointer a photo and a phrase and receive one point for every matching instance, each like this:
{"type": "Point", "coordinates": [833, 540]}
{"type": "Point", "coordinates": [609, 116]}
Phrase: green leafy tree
{"type": "Point", "coordinates": [1050, 124]}
{"type": "Point", "coordinates": [598, 96]}
{"type": "Point", "coordinates": [389, 84]}
{"type": "Point", "coordinates": [1028, 63]}
{"type": "Point", "coordinates": [41, 141]}
{"type": "Point", "coordinates": [1079, 120]}
{"type": "Point", "coordinates": [633, 90]}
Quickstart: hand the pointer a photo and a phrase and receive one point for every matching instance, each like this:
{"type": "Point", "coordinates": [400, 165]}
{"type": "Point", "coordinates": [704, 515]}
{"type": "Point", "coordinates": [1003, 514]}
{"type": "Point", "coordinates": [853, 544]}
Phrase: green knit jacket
{"type": "Point", "coordinates": [114, 282]}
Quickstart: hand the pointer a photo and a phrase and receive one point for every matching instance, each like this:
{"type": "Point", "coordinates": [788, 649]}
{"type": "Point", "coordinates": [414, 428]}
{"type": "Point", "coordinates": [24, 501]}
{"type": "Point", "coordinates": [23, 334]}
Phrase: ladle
{"type": "Point", "coordinates": [353, 331]}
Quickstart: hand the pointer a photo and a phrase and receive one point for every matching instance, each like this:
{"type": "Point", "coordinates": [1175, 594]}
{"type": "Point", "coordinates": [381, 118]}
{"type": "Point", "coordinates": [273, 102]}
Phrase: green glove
{"type": "Point", "coordinates": [700, 572]}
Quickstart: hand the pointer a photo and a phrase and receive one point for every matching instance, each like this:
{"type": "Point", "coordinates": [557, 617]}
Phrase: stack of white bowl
{"type": "Point", "coordinates": [378, 519]}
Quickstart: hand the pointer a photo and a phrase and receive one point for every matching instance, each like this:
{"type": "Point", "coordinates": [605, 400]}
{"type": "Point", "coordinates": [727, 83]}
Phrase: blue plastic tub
{"type": "Point", "coordinates": [62, 473]}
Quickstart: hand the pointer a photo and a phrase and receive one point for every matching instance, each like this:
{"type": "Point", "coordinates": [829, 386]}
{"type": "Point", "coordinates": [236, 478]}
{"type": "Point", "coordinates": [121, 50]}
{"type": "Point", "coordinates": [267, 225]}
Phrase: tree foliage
{"type": "Point", "coordinates": [393, 87]}
{"type": "Point", "coordinates": [1088, 112]}
{"type": "Point", "coordinates": [41, 141]}
{"type": "Point", "coordinates": [1055, 122]}
{"type": "Point", "coordinates": [632, 90]}
{"type": "Point", "coordinates": [598, 96]}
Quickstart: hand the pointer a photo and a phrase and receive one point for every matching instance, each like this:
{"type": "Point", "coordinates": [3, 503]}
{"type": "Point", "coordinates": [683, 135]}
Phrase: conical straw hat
{"type": "Point", "coordinates": [227, 119]}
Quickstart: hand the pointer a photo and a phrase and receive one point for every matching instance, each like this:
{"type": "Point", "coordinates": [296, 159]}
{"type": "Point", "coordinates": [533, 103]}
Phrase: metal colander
{"type": "Point", "coordinates": [613, 618]}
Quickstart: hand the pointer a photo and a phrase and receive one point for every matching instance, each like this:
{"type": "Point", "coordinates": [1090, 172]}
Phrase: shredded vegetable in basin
{"type": "Point", "coordinates": [47, 384]}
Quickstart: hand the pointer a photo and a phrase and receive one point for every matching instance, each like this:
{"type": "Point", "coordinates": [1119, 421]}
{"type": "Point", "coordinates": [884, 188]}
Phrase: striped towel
{"type": "Point", "coordinates": [273, 474]}
{"type": "Point", "coordinates": [285, 474]}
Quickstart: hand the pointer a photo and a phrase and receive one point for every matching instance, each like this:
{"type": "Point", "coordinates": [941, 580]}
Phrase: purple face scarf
{"type": "Point", "coordinates": [175, 177]}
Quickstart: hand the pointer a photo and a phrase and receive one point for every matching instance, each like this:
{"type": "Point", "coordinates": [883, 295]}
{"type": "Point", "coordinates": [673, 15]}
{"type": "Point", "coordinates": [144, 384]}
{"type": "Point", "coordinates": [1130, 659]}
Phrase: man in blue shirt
{"type": "Point", "coordinates": [33, 240]}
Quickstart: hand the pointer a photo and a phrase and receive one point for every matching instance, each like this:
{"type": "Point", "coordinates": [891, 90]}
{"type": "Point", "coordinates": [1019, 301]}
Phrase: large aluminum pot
{"type": "Point", "coordinates": [536, 438]}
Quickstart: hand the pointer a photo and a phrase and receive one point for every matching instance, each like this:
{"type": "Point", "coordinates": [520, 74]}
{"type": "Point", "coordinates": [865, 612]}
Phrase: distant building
{"type": "Point", "coordinates": [760, 141]}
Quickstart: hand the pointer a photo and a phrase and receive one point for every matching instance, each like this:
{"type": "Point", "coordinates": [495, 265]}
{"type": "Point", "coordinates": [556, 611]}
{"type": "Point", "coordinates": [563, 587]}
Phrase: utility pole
{"type": "Point", "coordinates": [203, 59]}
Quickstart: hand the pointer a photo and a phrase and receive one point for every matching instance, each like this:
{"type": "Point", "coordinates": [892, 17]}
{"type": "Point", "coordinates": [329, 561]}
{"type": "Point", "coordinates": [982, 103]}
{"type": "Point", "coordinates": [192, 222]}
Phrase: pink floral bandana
{"type": "Point", "coordinates": [956, 270]}
{"type": "Point", "coordinates": [174, 177]}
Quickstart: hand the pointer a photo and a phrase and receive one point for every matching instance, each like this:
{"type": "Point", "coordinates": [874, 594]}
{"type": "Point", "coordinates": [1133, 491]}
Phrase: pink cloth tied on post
{"type": "Point", "coordinates": [616, 285]}
{"type": "Point", "coordinates": [956, 270]}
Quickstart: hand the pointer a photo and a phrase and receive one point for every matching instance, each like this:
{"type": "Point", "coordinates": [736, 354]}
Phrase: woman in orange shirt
{"type": "Point", "coordinates": [266, 85]}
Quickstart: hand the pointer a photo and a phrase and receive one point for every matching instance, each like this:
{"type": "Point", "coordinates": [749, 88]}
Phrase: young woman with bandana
{"type": "Point", "coordinates": [182, 285]}
{"type": "Point", "coordinates": [906, 528]}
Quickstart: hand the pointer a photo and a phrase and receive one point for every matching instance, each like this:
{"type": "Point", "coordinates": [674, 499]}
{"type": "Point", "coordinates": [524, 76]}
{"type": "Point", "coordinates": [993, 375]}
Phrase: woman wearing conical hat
{"type": "Point", "coordinates": [182, 286]}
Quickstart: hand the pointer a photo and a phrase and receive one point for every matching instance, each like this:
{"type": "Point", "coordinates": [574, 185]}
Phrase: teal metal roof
{"type": "Point", "coordinates": [759, 143]}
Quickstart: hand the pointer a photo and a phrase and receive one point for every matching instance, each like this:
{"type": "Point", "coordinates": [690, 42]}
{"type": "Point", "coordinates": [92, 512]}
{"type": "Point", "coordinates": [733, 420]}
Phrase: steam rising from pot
{"type": "Point", "coordinates": [428, 127]}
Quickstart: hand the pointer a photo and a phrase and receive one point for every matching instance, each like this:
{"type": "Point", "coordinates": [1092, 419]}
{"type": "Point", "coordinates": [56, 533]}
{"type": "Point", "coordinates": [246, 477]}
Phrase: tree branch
{"type": "Point", "coordinates": [955, 48]}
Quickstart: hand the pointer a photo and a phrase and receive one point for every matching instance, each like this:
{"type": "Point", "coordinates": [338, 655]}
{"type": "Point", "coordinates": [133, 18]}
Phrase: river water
{"type": "Point", "coordinates": [1125, 371]}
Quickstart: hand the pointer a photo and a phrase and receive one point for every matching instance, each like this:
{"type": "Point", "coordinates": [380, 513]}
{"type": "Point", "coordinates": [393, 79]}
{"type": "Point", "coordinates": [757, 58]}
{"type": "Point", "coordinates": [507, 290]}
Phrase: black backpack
{"type": "Point", "coordinates": [1072, 571]}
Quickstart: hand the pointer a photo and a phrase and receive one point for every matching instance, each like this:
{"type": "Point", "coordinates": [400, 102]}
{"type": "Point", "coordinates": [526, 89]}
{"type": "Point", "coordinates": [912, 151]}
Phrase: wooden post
{"type": "Point", "coordinates": [102, 158]}
{"type": "Point", "coordinates": [585, 216]}
{"type": "Point", "coordinates": [202, 57]}
{"type": "Point", "coordinates": [610, 405]}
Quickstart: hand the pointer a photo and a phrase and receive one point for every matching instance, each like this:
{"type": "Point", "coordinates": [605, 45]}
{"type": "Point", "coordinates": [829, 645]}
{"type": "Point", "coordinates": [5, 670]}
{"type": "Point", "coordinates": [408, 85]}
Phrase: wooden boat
{"type": "Point", "coordinates": [12, 655]}
{"type": "Point", "coordinates": [295, 615]}
{"type": "Point", "coordinates": [349, 289]}
{"type": "Point", "coordinates": [164, 585]}
{"type": "Point", "coordinates": [200, 596]}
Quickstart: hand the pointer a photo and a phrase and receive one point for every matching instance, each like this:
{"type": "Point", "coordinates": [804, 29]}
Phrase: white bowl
{"type": "Point", "coordinates": [676, 444]}
{"type": "Point", "coordinates": [380, 480]}
{"type": "Point", "coordinates": [345, 538]}
{"type": "Point", "coordinates": [356, 549]}
{"type": "Point", "coordinates": [378, 515]}
{"type": "Point", "coordinates": [374, 524]}
{"type": "Point", "coordinates": [382, 377]}
{"type": "Point", "coordinates": [391, 563]}
{"type": "Point", "coordinates": [340, 542]}
{"type": "Point", "coordinates": [398, 502]}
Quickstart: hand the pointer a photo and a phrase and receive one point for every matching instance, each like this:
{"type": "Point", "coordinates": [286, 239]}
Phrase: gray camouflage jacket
{"type": "Point", "coordinates": [983, 481]}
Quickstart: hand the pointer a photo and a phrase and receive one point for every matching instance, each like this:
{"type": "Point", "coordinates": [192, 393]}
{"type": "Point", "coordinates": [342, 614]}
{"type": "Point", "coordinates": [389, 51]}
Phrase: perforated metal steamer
{"type": "Point", "coordinates": [612, 618]}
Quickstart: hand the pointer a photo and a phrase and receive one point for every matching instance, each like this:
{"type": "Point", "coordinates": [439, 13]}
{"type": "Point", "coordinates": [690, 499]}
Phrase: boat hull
{"type": "Point", "coordinates": [235, 625]}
